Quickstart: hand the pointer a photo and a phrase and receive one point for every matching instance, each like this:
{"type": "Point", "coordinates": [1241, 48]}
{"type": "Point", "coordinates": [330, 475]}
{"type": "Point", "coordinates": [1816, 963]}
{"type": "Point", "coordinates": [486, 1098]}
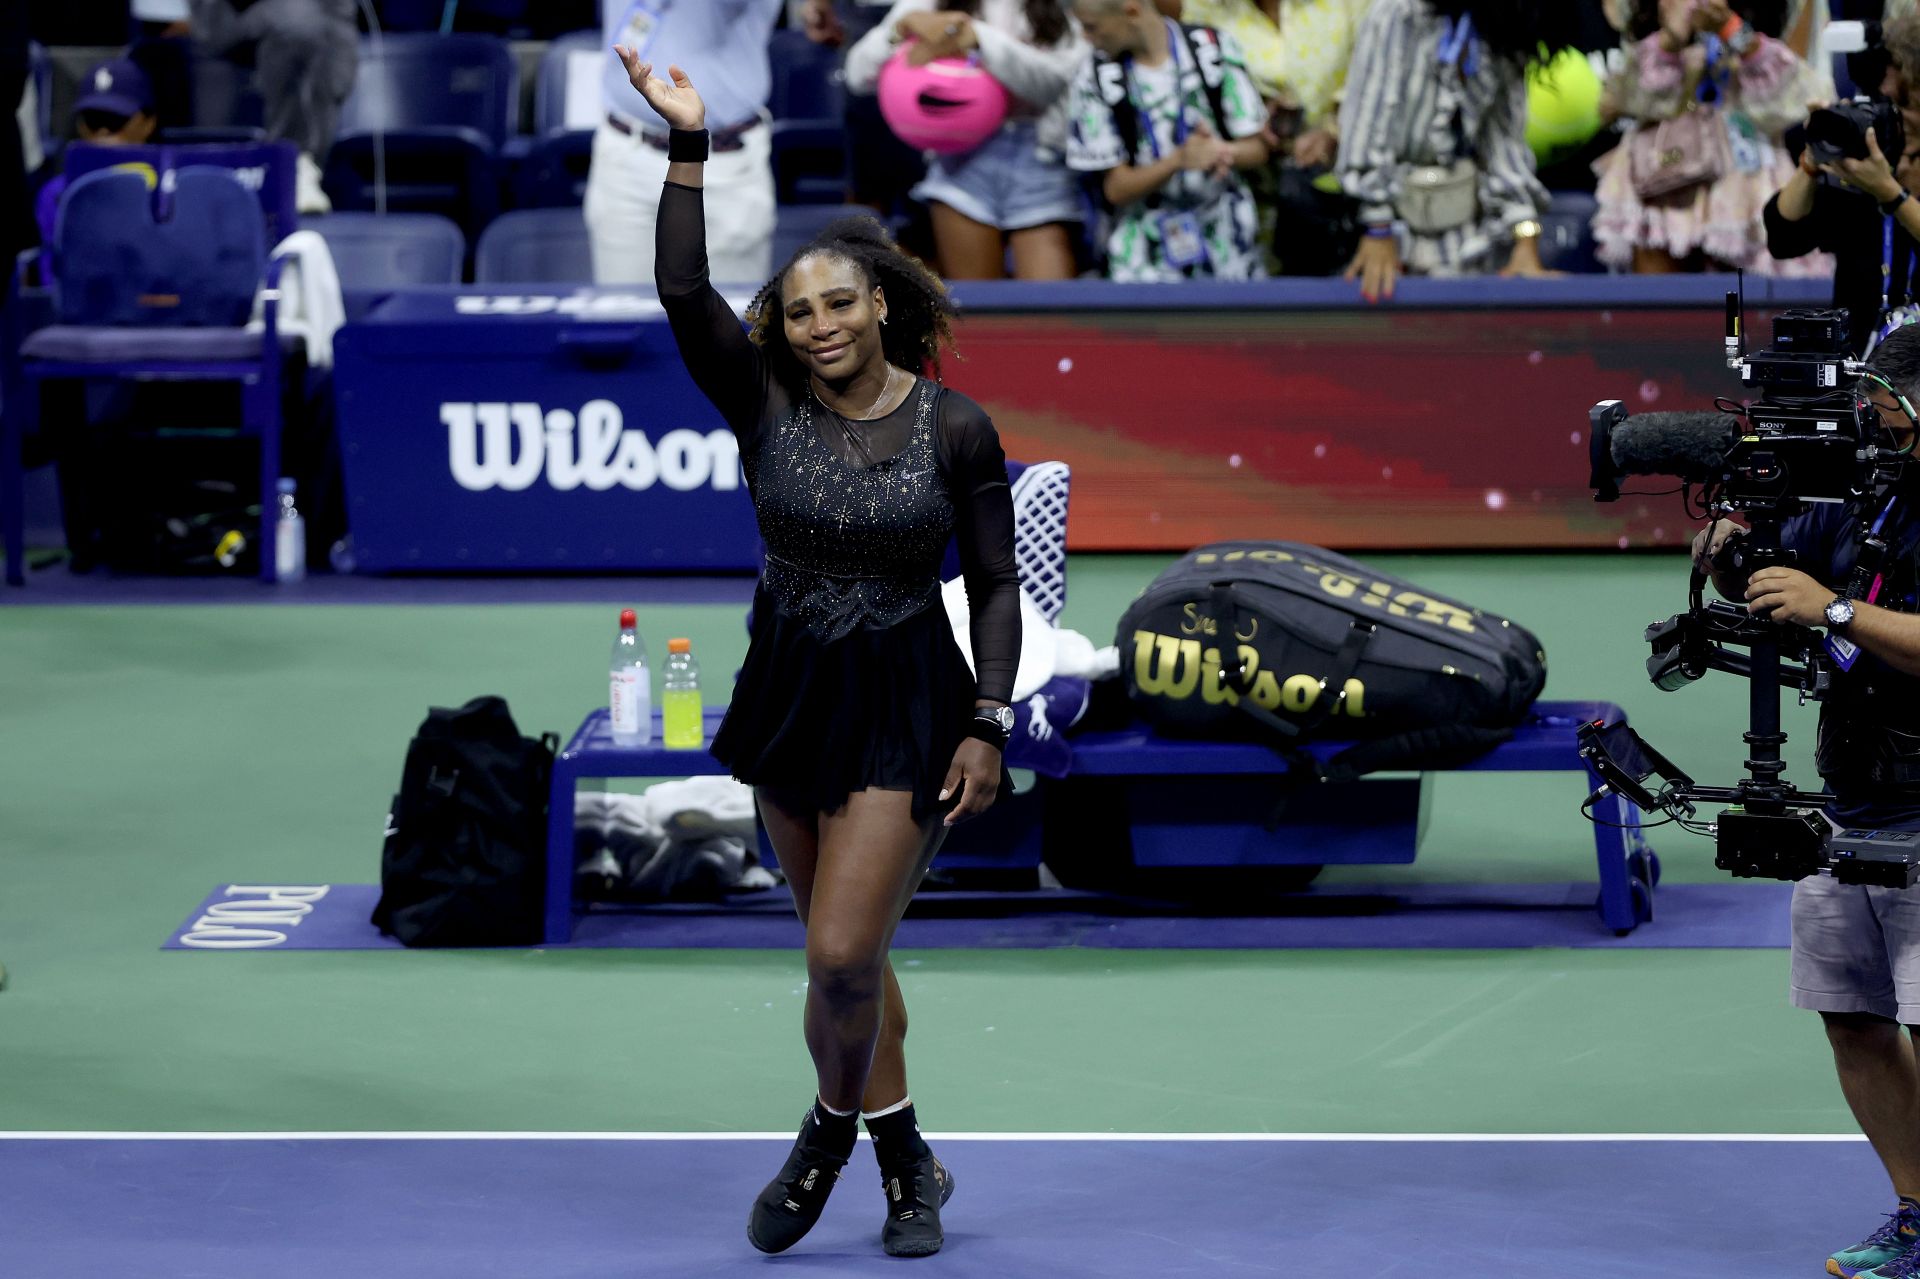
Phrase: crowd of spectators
{"type": "Point", "coordinates": [1157, 140]}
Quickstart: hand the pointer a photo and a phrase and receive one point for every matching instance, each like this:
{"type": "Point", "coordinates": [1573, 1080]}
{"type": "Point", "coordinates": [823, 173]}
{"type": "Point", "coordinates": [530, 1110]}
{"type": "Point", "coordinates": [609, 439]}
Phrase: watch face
{"type": "Point", "coordinates": [1839, 613]}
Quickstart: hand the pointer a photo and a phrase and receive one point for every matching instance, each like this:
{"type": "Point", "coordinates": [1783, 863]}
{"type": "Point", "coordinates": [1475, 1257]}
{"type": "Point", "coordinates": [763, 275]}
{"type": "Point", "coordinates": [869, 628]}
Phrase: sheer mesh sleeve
{"type": "Point", "coordinates": [976, 474]}
{"type": "Point", "coordinates": [727, 367]}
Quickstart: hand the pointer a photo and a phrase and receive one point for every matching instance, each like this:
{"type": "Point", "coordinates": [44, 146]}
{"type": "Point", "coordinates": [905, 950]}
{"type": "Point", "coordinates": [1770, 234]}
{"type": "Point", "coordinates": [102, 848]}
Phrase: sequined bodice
{"type": "Point", "coordinates": [849, 545]}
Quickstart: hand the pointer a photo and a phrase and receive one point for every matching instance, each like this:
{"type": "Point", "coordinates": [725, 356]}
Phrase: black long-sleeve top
{"type": "Point", "coordinates": [1848, 225]}
{"type": "Point", "coordinates": [840, 563]}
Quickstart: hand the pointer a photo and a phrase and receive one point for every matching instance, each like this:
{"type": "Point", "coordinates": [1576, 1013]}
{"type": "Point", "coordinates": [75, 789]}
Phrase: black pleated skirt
{"type": "Point", "coordinates": [820, 720]}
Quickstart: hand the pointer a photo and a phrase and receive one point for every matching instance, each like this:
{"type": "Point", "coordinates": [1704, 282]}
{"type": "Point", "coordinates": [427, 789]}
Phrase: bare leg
{"type": "Point", "coordinates": [969, 250]}
{"type": "Point", "coordinates": [1655, 262]}
{"type": "Point", "coordinates": [796, 842]}
{"type": "Point", "coordinates": [1875, 1060]}
{"type": "Point", "coordinates": [872, 856]}
{"type": "Point", "coordinates": [1043, 253]}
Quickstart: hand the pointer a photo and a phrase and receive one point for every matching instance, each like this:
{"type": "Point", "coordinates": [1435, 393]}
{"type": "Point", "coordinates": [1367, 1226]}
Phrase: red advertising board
{"type": "Point", "coordinates": [1377, 428]}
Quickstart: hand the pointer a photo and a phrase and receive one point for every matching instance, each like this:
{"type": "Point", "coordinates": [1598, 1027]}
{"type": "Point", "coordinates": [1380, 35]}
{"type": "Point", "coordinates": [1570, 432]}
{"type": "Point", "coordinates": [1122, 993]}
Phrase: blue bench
{"type": "Point", "coordinates": [1188, 803]}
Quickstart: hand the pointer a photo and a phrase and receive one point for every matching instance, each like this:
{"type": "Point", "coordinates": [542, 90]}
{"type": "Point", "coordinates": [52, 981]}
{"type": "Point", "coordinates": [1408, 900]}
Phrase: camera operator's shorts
{"type": "Point", "coordinates": [1856, 949]}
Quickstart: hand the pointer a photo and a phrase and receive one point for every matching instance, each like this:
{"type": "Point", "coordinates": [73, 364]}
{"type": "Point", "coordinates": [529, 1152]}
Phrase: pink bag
{"type": "Point", "coordinates": [1673, 155]}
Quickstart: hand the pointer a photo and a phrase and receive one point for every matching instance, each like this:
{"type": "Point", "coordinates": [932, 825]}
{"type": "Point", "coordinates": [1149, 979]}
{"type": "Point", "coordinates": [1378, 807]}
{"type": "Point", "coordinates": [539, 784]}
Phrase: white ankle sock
{"type": "Point", "coordinates": [902, 1104]}
{"type": "Point", "coordinates": [837, 1114]}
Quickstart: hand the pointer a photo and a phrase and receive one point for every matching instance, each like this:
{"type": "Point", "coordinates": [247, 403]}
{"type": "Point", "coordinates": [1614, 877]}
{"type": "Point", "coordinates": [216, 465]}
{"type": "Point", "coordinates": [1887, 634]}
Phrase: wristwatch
{"type": "Point", "coordinates": [992, 724]}
{"type": "Point", "coordinates": [1891, 204]}
{"type": "Point", "coordinates": [1839, 613]}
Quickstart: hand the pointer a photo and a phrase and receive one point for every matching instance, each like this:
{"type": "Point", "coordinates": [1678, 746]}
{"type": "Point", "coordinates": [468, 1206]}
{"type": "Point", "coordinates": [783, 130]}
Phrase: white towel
{"type": "Point", "coordinates": [311, 307]}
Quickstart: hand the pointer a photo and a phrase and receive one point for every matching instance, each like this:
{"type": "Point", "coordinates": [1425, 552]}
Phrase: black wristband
{"type": "Point", "coordinates": [688, 146]}
{"type": "Point", "coordinates": [990, 732]}
{"type": "Point", "coordinates": [1891, 207]}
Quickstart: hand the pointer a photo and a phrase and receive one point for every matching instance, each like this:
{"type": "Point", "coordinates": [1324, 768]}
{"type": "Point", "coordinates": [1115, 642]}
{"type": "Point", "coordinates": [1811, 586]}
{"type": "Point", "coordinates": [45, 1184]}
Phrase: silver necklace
{"type": "Point", "coordinates": [886, 390]}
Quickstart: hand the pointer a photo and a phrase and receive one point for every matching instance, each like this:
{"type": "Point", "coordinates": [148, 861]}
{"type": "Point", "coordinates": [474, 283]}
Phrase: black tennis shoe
{"type": "Point", "coordinates": [915, 1194]}
{"type": "Point", "coordinates": [793, 1201]}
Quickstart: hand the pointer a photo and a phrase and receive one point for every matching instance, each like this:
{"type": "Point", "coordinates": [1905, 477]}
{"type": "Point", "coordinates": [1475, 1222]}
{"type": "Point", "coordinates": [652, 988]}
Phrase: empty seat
{"type": "Point", "coordinates": [1566, 233]}
{"type": "Point", "coordinates": [809, 121]}
{"type": "Point", "coordinates": [795, 224]}
{"type": "Point", "coordinates": [566, 109]}
{"type": "Point", "coordinates": [423, 129]}
{"type": "Point", "coordinates": [535, 246]}
{"type": "Point", "coordinates": [376, 254]}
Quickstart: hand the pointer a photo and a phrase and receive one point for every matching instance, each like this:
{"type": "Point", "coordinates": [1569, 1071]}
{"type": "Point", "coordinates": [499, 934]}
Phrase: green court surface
{"type": "Point", "coordinates": [150, 753]}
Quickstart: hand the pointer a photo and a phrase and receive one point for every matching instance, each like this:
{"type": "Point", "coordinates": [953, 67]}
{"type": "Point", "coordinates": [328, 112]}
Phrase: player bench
{"type": "Point", "coordinates": [1185, 803]}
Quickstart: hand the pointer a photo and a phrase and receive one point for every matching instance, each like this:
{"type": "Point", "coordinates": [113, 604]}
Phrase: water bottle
{"type": "Point", "coordinates": [683, 726]}
{"type": "Point", "coordinates": [630, 704]}
{"type": "Point", "coordinates": [289, 538]}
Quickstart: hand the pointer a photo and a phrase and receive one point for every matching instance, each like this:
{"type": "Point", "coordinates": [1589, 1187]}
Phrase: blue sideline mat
{"type": "Point", "coordinates": [471, 1207]}
{"type": "Point", "coordinates": [1418, 916]}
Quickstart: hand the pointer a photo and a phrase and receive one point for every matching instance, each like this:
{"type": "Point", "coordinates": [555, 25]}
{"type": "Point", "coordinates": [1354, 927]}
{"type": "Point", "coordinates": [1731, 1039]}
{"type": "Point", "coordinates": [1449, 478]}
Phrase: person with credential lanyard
{"type": "Point", "coordinates": [723, 46]}
{"type": "Point", "coordinates": [1166, 117]}
{"type": "Point", "coordinates": [1856, 949]}
{"type": "Point", "coordinates": [1433, 137]}
{"type": "Point", "coordinates": [854, 716]}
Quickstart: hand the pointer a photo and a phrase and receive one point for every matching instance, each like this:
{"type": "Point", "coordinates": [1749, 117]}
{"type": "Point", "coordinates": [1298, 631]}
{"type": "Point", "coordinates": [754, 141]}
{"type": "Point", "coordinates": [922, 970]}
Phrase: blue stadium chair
{"type": "Point", "coordinates": [378, 253]}
{"type": "Point", "coordinates": [535, 246]}
{"type": "Point", "coordinates": [554, 172]}
{"type": "Point", "coordinates": [214, 134]}
{"type": "Point", "coordinates": [1566, 234]}
{"type": "Point", "coordinates": [808, 107]}
{"type": "Point", "coordinates": [441, 107]}
{"type": "Point", "coordinates": [795, 224]}
{"type": "Point", "coordinates": [154, 289]}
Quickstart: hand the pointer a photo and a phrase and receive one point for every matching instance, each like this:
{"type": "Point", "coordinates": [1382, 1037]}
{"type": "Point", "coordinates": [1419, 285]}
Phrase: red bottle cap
{"type": "Point", "coordinates": [627, 619]}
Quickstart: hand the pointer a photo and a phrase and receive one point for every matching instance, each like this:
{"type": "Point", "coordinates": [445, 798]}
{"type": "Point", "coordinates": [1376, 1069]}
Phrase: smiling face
{"type": "Point", "coordinates": [832, 316]}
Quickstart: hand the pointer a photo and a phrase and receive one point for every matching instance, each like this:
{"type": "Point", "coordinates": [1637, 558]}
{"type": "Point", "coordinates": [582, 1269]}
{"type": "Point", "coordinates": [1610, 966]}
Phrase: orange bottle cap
{"type": "Point", "coordinates": [679, 646]}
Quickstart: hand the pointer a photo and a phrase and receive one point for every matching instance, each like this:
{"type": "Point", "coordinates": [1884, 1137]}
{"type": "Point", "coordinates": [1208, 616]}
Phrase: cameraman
{"type": "Point", "coordinates": [1845, 217]}
{"type": "Point", "coordinates": [1856, 949]}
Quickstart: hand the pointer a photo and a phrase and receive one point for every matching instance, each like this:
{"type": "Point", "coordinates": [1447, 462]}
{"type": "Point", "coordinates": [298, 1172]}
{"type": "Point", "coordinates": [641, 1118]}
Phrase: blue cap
{"type": "Point", "coordinates": [118, 87]}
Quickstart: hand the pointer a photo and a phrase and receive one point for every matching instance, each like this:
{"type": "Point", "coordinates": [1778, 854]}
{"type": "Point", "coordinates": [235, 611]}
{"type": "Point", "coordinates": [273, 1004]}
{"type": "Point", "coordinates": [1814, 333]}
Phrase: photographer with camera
{"type": "Point", "coordinates": [1846, 215]}
{"type": "Point", "coordinates": [1856, 948]}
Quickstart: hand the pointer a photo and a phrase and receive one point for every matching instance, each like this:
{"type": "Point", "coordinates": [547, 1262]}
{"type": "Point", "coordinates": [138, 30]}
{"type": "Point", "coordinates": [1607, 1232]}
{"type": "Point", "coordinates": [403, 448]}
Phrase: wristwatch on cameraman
{"type": "Point", "coordinates": [1891, 205]}
{"type": "Point", "coordinates": [1839, 614]}
{"type": "Point", "coordinates": [992, 725]}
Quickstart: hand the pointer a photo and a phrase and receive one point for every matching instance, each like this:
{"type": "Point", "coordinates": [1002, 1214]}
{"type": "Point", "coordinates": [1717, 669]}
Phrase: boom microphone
{"type": "Point", "coordinates": [1691, 445]}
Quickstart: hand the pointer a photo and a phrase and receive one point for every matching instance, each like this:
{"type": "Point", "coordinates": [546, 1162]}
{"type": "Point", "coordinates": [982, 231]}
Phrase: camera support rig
{"type": "Point", "coordinates": [1796, 449]}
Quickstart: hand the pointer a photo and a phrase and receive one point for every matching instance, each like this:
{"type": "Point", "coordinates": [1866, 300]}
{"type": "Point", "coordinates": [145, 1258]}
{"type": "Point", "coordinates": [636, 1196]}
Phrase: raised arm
{"type": "Point", "coordinates": [727, 368]}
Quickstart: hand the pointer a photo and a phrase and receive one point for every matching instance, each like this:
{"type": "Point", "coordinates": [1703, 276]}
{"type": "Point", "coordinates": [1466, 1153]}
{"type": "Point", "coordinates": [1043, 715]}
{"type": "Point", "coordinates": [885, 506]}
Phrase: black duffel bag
{"type": "Point", "coordinates": [465, 857]}
{"type": "Point", "coordinates": [1287, 643]}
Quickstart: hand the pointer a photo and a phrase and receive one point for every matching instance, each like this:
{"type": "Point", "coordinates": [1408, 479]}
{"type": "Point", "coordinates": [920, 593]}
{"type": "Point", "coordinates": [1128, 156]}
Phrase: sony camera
{"type": "Point", "coordinates": [1810, 437]}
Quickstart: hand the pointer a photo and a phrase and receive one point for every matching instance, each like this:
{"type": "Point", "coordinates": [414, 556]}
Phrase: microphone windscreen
{"type": "Point", "coordinates": [1690, 445]}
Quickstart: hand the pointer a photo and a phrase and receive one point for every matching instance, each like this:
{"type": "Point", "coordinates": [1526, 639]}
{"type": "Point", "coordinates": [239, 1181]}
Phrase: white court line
{"type": "Point", "coordinates": [1377, 1137]}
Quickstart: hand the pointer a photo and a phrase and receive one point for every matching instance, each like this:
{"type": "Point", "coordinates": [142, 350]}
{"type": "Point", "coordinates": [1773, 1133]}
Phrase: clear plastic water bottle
{"type": "Point", "coordinates": [682, 725]}
{"type": "Point", "coordinates": [289, 538]}
{"type": "Point", "coordinates": [630, 702]}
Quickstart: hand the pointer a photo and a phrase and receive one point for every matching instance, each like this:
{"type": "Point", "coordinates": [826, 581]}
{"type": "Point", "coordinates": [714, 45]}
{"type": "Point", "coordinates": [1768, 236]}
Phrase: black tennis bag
{"type": "Point", "coordinates": [1287, 643]}
{"type": "Point", "coordinates": [465, 857]}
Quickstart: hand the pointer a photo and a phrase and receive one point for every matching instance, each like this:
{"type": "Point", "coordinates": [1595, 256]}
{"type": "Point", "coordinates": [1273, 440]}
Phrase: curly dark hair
{"type": "Point", "coordinates": [1047, 18]}
{"type": "Point", "coordinates": [919, 309]}
{"type": "Point", "coordinates": [1524, 32]}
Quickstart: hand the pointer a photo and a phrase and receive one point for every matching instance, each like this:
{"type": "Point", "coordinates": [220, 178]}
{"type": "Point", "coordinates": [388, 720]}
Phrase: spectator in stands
{"type": "Point", "coordinates": [1298, 52]}
{"type": "Point", "coordinates": [1169, 119]}
{"type": "Point", "coordinates": [1433, 136]}
{"type": "Point", "coordinates": [304, 54]}
{"type": "Point", "coordinates": [1845, 216]}
{"type": "Point", "coordinates": [1702, 64]}
{"type": "Point", "coordinates": [115, 108]}
{"type": "Point", "coordinates": [1014, 190]}
{"type": "Point", "coordinates": [722, 46]}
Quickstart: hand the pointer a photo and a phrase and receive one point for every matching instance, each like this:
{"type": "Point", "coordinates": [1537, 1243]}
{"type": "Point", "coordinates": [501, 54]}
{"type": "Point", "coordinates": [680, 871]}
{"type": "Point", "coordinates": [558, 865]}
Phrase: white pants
{"type": "Point", "coordinates": [623, 198]}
